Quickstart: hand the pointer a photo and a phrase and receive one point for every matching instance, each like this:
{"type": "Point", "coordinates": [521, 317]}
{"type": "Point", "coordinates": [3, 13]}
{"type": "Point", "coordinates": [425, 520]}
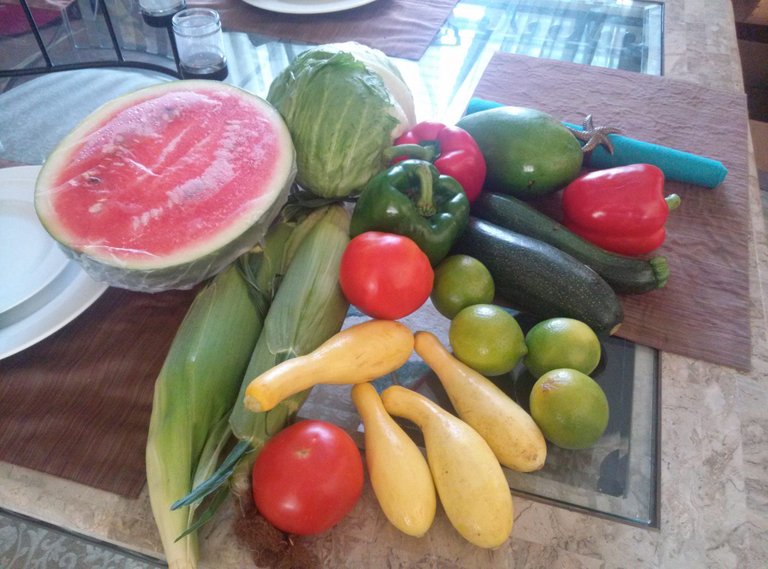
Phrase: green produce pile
{"type": "Point", "coordinates": [265, 330]}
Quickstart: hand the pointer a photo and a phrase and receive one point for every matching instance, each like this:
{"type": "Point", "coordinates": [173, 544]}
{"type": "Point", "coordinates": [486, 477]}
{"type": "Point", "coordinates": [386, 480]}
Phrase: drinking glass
{"type": "Point", "coordinates": [200, 44]}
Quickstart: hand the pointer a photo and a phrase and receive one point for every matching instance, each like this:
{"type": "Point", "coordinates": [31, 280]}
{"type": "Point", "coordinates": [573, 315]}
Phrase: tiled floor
{"type": "Point", "coordinates": [27, 544]}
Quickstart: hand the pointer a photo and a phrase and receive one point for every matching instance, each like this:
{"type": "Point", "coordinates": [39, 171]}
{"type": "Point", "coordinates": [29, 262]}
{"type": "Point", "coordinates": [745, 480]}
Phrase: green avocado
{"type": "Point", "coordinates": [528, 153]}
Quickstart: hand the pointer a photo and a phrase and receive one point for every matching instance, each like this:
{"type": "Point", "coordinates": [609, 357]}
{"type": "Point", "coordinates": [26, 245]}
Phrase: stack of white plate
{"type": "Point", "coordinates": [41, 290]}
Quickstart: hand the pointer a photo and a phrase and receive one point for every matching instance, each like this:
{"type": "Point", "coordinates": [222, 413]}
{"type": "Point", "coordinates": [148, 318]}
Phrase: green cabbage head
{"type": "Point", "coordinates": [343, 104]}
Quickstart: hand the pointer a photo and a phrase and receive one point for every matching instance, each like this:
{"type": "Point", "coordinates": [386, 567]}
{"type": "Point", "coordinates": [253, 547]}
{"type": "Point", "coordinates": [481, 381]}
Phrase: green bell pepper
{"type": "Point", "coordinates": [413, 199]}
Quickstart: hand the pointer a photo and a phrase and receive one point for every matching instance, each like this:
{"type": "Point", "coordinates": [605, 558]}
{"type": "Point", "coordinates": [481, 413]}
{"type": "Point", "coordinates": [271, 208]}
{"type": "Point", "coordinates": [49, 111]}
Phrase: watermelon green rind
{"type": "Point", "coordinates": [194, 258]}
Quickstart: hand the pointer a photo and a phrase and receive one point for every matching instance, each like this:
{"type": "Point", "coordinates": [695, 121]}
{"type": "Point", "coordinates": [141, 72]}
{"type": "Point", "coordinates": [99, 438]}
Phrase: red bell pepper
{"type": "Point", "coordinates": [452, 150]}
{"type": "Point", "coordinates": [621, 209]}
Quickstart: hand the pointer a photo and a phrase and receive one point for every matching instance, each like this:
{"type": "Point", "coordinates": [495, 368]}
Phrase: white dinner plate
{"type": "Point", "coordinates": [307, 6]}
{"type": "Point", "coordinates": [62, 291]}
{"type": "Point", "coordinates": [76, 292]}
{"type": "Point", "coordinates": [29, 257]}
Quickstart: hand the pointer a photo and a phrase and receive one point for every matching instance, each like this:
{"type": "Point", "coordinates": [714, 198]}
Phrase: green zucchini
{"type": "Point", "coordinates": [539, 279]}
{"type": "Point", "coordinates": [626, 275]}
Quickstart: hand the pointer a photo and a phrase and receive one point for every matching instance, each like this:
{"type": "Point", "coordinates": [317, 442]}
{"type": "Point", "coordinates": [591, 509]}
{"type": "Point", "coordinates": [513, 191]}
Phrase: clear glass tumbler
{"type": "Point", "coordinates": [200, 44]}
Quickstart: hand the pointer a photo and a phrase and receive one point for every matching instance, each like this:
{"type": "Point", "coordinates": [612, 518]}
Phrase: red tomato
{"type": "Point", "coordinates": [307, 477]}
{"type": "Point", "coordinates": [385, 275]}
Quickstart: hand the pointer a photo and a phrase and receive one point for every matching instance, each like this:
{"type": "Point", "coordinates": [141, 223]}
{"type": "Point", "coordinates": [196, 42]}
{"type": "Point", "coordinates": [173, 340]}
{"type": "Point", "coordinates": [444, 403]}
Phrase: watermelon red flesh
{"type": "Point", "coordinates": [165, 177]}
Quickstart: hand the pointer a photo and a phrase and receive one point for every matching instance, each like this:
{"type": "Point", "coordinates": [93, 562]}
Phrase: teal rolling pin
{"type": "Point", "coordinates": [676, 164]}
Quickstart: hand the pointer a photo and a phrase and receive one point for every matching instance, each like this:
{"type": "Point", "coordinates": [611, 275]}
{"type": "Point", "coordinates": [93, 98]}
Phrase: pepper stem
{"type": "Point", "coordinates": [425, 203]}
{"type": "Point", "coordinates": [673, 200]}
{"type": "Point", "coordinates": [416, 151]}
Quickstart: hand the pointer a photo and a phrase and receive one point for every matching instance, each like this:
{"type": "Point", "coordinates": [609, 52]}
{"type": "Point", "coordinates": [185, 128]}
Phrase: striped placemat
{"type": "Point", "coordinates": [399, 28]}
{"type": "Point", "coordinates": [77, 404]}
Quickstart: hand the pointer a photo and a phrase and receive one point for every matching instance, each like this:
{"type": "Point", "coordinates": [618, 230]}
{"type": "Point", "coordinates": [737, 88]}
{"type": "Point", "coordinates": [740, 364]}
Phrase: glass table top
{"type": "Point", "coordinates": [618, 478]}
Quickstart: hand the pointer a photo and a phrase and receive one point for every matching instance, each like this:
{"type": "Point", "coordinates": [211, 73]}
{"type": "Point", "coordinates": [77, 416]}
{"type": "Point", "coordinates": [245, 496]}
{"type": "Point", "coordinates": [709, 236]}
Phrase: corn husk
{"type": "Point", "coordinates": [198, 386]}
{"type": "Point", "coordinates": [307, 309]}
{"type": "Point", "coordinates": [194, 393]}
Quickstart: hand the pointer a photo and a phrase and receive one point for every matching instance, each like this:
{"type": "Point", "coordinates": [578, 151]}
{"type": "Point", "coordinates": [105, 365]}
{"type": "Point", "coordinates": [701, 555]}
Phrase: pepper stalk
{"type": "Point", "coordinates": [413, 199]}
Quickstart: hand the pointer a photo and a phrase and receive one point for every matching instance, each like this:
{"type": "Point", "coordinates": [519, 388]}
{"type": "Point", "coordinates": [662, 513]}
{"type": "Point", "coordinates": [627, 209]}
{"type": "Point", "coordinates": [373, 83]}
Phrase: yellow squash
{"type": "Point", "coordinates": [508, 429]}
{"type": "Point", "coordinates": [399, 473]}
{"type": "Point", "coordinates": [360, 353]}
{"type": "Point", "coordinates": [469, 480]}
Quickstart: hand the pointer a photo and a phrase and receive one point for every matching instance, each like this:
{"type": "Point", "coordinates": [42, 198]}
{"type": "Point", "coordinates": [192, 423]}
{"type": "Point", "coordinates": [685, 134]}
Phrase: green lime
{"type": "Point", "coordinates": [461, 281]}
{"type": "Point", "coordinates": [561, 342]}
{"type": "Point", "coordinates": [487, 338]}
{"type": "Point", "coordinates": [570, 408]}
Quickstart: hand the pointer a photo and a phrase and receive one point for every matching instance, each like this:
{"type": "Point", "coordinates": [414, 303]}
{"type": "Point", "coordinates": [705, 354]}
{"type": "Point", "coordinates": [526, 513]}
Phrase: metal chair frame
{"type": "Point", "coordinates": [119, 61]}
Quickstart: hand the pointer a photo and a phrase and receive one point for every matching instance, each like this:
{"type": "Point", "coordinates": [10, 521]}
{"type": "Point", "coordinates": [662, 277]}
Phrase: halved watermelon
{"type": "Point", "coordinates": [162, 188]}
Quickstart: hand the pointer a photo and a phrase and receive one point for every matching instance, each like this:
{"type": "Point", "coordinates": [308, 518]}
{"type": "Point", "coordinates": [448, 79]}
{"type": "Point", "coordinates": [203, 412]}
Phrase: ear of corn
{"type": "Point", "coordinates": [198, 386]}
{"type": "Point", "coordinates": [308, 308]}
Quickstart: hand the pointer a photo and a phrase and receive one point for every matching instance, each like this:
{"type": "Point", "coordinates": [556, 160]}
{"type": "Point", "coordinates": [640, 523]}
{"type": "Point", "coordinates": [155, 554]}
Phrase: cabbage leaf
{"type": "Point", "coordinates": [341, 116]}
